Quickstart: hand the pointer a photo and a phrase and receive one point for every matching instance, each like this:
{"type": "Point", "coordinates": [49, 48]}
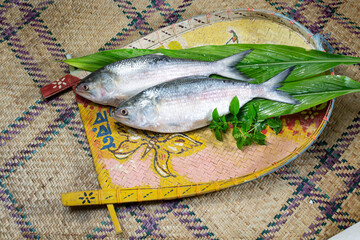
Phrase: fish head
{"type": "Point", "coordinates": [137, 113]}
{"type": "Point", "coordinates": [97, 87]}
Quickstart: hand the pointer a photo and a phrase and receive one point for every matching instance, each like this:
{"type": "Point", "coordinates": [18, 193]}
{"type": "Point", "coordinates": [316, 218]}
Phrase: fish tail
{"type": "Point", "coordinates": [229, 64]}
{"type": "Point", "coordinates": [269, 88]}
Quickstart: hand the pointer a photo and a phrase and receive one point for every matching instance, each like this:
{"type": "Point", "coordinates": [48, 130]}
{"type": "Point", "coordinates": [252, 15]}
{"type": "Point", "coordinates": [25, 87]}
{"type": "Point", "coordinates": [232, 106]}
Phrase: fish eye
{"type": "Point", "coordinates": [86, 87]}
{"type": "Point", "coordinates": [124, 112]}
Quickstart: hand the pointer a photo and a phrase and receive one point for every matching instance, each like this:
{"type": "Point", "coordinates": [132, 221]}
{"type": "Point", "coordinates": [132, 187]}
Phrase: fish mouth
{"type": "Point", "coordinates": [116, 115]}
{"type": "Point", "coordinates": [82, 93]}
{"type": "Point", "coordinates": [113, 113]}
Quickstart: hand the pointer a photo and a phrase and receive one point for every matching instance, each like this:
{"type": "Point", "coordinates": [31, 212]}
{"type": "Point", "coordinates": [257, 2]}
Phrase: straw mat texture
{"type": "Point", "coordinates": [44, 150]}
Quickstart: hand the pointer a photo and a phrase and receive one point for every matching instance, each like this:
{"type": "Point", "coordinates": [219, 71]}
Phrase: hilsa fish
{"type": "Point", "coordinates": [121, 80]}
{"type": "Point", "coordinates": [187, 104]}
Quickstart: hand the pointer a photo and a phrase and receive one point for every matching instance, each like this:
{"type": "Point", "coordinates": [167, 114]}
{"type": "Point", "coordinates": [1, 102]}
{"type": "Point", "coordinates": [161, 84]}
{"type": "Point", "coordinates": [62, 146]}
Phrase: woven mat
{"type": "Point", "coordinates": [44, 150]}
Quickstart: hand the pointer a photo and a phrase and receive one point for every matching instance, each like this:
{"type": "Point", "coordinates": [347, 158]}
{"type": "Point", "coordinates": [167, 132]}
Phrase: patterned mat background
{"type": "Point", "coordinates": [44, 151]}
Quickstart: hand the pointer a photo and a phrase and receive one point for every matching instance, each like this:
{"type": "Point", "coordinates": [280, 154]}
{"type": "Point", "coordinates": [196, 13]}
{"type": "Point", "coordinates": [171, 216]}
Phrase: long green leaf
{"type": "Point", "coordinates": [98, 60]}
{"type": "Point", "coordinates": [265, 61]}
{"type": "Point", "coordinates": [310, 92]}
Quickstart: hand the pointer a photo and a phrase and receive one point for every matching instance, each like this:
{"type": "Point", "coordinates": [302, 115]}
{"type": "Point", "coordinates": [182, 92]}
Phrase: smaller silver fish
{"type": "Point", "coordinates": [187, 104]}
{"type": "Point", "coordinates": [121, 80]}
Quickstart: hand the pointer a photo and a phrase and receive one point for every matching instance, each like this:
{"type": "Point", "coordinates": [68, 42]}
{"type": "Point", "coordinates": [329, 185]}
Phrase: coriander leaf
{"type": "Point", "coordinates": [240, 143]}
{"type": "Point", "coordinates": [247, 125]}
{"type": "Point", "coordinates": [246, 128]}
{"type": "Point", "coordinates": [215, 115]}
{"type": "Point", "coordinates": [259, 126]}
{"type": "Point", "coordinates": [223, 118]}
{"type": "Point", "coordinates": [224, 127]}
{"type": "Point", "coordinates": [231, 118]}
{"type": "Point", "coordinates": [260, 141]}
{"type": "Point", "coordinates": [248, 141]}
{"type": "Point", "coordinates": [236, 133]}
{"type": "Point", "coordinates": [212, 125]}
{"type": "Point", "coordinates": [234, 106]}
{"type": "Point", "coordinates": [277, 130]}
{"type": "Point", "coordinates": [273, 122]}
{"type": "Point", "coordinates": [259, 136]}
{"type": "Point", "coordinates": [218, 135]}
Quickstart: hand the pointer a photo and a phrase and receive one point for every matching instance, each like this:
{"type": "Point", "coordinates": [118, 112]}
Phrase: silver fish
{"type": "Point", "coordinates": [118, 81]}
{"type": "Point", "coordinates": [187, 104]}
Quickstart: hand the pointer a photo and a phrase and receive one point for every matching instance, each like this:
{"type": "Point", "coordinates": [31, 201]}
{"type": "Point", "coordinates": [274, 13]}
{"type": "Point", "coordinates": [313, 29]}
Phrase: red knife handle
{"type": "Point", "coordinates": [60, 85]}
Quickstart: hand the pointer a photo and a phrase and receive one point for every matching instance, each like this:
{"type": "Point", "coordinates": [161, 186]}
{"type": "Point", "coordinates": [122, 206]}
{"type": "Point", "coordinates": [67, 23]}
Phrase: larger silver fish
{"type": "Point", "coordinates": [118, 81]}
{"type": "Point", "coordinates": [187, 104]}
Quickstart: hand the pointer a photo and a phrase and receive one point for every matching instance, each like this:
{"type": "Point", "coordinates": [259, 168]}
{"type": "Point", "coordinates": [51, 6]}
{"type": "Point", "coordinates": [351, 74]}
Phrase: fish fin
{"type": "Point", "coordinates": [270, 88]}
{"type": "Point", "coordinates": [230, 62]}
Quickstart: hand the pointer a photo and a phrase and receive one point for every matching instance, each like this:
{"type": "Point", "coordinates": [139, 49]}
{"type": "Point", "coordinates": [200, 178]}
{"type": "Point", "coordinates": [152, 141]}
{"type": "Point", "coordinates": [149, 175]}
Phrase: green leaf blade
{"type": "Point", "coordinates": [215, 115]}
{"type": "Point", "coordinates": [98, 60]}
{"type": "Point", "coordinates": [234, 107]}
{"type": "Point", "coordinates": [323, 89]}
{"type": "Point", "coordinates": [265, 61]}
{"type": "Point", "coordinates": [260, 136]}
{"type": "Point", "coordinates": [218, 135]}
{"type": "Point", "coordinates": [236, 133]}
{"type": "Point", "coordinates": [240, 143]}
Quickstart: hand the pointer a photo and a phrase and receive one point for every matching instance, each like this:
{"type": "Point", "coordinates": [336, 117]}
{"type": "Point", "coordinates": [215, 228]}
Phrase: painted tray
{"type": "Point", "coordinates": [135, 165]}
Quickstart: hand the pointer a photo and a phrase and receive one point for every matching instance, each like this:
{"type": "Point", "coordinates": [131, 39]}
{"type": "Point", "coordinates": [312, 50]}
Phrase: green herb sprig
{"type": "Point", "coordinates": [246, 127]}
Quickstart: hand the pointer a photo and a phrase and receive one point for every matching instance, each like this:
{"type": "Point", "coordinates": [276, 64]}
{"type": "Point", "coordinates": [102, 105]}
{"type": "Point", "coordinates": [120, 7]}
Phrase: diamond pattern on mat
{"type": "Point", "coordinates": [309, 187]}
{"type": "Point", "coordinates": [20, 13]}
{"type": "Point", "coordinates": [8, 228]}
{"type": "Point", "coordinates": [344, 16]}
{"type": "Point", "coordinates": [170, 218]}
{"type": "Point", "coordinates": [243, 208]}
{"type": "Point", "coordinates": [44, 133]}
{"type": "Point", "coordinates": [138, 22]}
{"type": "Point", "coordinates": [38, 184]}
{"type": "Point", "coordinates": [15, 90]}
{"type": "Point", "coordinates": [90, 23]}
{"type": "Point", "coordinates": [44, 57]}
{"type": "Point", "coordinates": [31, 65]}
{"type": "Point", "coordinates": [11, 10]}
{"type": "Point", "coordinates": [140, 19]}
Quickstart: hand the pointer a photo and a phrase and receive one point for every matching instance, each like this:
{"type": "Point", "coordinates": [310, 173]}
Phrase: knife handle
{"type": "Point", "coordinates": [58, 86]}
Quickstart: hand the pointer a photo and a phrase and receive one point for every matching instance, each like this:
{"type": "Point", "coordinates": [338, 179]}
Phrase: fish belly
{"type": "Point", "coordinates": [189, 111]}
